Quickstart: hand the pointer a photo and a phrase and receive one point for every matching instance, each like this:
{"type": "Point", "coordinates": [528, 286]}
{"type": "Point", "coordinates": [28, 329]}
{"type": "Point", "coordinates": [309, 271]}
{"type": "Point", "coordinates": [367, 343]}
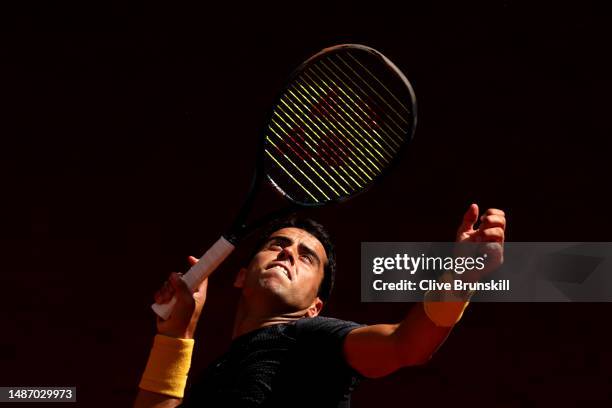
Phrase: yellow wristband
{"type": "Point", "coordinates": [168, 365]}
{"type": "Point", "coordinates": [445, 307]}
{"type": "Point", "coordinates": [444, 314]}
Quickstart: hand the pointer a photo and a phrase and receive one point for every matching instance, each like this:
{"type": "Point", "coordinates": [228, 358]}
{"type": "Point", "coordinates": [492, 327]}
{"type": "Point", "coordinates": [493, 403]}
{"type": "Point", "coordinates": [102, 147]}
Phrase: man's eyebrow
{"type": "Point", "coordinates": [310, 251]}
{"type": "Point", "coordinates": [286, 240]}
{"type": "Point", "coordinates": [280, 238]}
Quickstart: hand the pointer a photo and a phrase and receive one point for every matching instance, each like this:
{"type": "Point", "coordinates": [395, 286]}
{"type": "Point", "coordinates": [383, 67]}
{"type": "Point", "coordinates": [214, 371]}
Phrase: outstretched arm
{"type": "Point", "coordinates": [377, 350]}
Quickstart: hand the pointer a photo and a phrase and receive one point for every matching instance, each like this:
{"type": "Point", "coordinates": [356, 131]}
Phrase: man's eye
{"type": "Point", "coordinates": [307, 258]}
{"type": "Point", "coordinates": [275, 247]}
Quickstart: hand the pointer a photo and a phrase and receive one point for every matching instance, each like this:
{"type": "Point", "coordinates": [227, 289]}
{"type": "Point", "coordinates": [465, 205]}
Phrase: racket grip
{"type": "Point", "coordinates": [198, 272]}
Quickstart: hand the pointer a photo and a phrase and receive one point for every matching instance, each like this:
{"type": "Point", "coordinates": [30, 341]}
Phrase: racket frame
{"type": "Point", "coordinates": [260, 170]}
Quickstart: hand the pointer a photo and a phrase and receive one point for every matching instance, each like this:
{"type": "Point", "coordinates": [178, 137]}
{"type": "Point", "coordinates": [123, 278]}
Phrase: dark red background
{"type": "Point", "coordinates": [127, 144]}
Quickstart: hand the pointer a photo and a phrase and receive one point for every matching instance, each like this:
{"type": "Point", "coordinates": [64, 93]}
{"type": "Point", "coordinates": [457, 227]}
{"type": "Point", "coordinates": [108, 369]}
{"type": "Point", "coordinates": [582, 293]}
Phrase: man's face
{"type": "Point", "coordinates": [290, 266]}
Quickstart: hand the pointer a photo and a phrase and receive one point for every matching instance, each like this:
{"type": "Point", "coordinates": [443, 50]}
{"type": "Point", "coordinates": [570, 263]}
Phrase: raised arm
{"type": "Point", "coordinates": [163, 382]}
{"type": "Point", "coordinates": [378, 350]}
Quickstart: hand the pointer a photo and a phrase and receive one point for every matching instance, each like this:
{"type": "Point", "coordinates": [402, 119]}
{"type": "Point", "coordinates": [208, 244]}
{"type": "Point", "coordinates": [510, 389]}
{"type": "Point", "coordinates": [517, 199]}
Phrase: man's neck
{"type": "Point", "coordinates": [249, 318]}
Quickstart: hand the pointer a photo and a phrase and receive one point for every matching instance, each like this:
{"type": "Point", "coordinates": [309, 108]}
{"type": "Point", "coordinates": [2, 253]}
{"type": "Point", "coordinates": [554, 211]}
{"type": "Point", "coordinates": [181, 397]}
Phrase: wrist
{"type": "Point", "coordinates": [445, 307]}
{"type": "Point", "coordinates": [454, 295]}
{"type": "Point", "coordinates": [443, 313]}
{"type": "Point", "coordinates": [176, 332]}
{"type": "Point", "coordinates": [168, 366]}
{"type": "Point", "coordinates": [179, 335]}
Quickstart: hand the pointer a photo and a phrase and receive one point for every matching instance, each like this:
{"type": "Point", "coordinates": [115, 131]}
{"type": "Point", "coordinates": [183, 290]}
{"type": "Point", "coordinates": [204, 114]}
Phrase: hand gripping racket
{"type": "Point", "coordinates": [339, 124]}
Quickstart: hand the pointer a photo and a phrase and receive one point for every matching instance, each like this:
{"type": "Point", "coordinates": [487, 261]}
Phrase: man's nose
{"type": "Point", "coordinates": [287, 253]}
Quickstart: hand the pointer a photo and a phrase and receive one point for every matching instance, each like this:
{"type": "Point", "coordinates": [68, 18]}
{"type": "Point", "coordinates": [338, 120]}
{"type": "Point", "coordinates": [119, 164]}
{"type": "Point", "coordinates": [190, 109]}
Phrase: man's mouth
{"type": "Point", "coordinates": [282, 269]}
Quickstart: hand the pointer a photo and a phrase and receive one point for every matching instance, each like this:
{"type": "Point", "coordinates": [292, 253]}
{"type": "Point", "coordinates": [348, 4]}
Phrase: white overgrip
{"type": "Point", "coordinates": [198, 272]}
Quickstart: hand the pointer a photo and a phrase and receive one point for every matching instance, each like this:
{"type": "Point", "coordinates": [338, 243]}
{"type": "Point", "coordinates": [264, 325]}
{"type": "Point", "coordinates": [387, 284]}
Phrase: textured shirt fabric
{"type": "Point", "coordinates": [297, 364]}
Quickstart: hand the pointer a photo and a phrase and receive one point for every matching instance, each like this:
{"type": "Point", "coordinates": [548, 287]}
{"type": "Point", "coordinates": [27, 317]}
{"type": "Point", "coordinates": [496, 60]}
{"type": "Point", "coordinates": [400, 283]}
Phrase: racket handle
{"type": "Point", "coordinates": [198, 272]}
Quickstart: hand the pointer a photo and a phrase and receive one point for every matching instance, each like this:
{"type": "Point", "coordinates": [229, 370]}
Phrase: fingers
{"type": "Point", "coordinates": [164, 294]}
{"type": "Point", "coordinates": [492, 221]}
{"type": "Point", "coordinates": [494, 211]}
{"type": "Point", "coordinates": [170, 288]}
{"type": "Point", "coordinates": [495, 234]}
{"type": "Point", "coordinates": [175, 285]}
{"type": "Point", "coordinates": [204, 284]}
{"type": "Point", "coordinates": [492, 226]}
{"type": "Point", "coordinates": [469, 219]}
{"type": "Point", "coordinates": [203, 287]}
{"type": "Point", "coordinates": [180, 287]}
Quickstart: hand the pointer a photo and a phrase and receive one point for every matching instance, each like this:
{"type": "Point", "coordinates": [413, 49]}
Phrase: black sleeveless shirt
{"type": "Point", "coordinates": [297, 364]}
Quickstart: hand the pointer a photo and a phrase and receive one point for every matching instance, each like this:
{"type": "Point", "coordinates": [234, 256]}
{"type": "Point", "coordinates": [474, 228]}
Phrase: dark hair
{"type": "Point", "coordinates": [316, 230]}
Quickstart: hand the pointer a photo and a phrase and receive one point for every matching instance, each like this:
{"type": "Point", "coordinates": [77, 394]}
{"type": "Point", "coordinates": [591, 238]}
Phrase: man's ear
{"type": "Point", "coordinates": [315, 308]}
{"type": "Point", "coordinates": [239, 281]}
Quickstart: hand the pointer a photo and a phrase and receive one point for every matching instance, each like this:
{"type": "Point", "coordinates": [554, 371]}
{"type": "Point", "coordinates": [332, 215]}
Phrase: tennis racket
{"type": "Point", "coordinates": [337, 127]}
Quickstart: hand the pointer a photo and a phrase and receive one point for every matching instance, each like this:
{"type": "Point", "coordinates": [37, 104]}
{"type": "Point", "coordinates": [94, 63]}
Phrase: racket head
{"type": "Point", "coordinates": [340, 124]}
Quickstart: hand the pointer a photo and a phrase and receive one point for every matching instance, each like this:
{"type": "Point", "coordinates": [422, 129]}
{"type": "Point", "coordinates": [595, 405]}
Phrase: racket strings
{"type": "Point", "coordinates": [335, 129]}
{"type": "Point", "coordinates": [289, 173]}
{"type": "Point", "coordinates": [323, 147]}
{"type": "Point", "coordinates": [379, 107]}
{"type": "Point", "coordinates": [361, 114]}
{"type": "Point", "coordinates": [333, 110]}
{"type": "Point", "coordinates": [364, 101]}
{"type": "Point", "coordinates": [312, 153]}
{"type": "Point", "coordinates": [368, 84]}
{"type": "Point", "coordinates": [300, 170]}
{"type": "Point", "coordinates": [343, 135]}
{"type": "Point", "coordinates": [336, 146]}
{"type": "Point", "coordinates": [352, 122]}
{"type": "Point", "coordinates": [320, 178]}
{"type": "Point", "coordinates": [309, 154]}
